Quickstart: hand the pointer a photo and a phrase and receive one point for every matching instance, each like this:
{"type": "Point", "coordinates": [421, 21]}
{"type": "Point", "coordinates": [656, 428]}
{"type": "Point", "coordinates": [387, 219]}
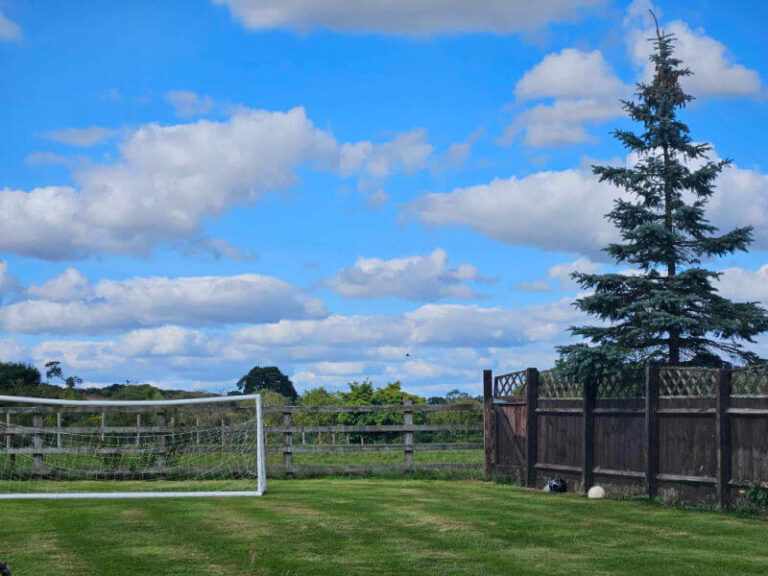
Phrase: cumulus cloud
{"type": "Point", "coordinates": [405, 17]}
{"type": "Point", "coordinates": [570, 74]}
{"type": "Point", "coordinates": [742, 284]}
{"type": "Point", "coordinates": [574, 89]}
{"type": "Point", "coordinates": [715, 73]}
{"type": "Point", "coordinates": [561, 273]}
{"type": "Point", "coordinates": [69, 286]}
{"type": "Point", "coordinates": [580, 88]}
{"type": "Point", "coordinates": [169, 180]}
{"type": "Point", "coordinates": [408, 151]}
{"type": "Point", "coordinates": [9, 30]}
{"type": "Point", "coordinates": [564, 210]}
{"type": "Point", "coordinates": [429, 277]}
{"type": "Point", "coordinates": [436, 325]}
{"type": "Point", "coordinates": [8, 282]}
{"type": "Point", "coordinates": [70, 304]}
{"type": "Point", "coordinates": [187, 104]}
{"type": "Point", "coordinates": [559, 211]}
{"type": "Point", "coordinates": [82, 137]}
{"type": "Point", "coordinates": [434, 347]}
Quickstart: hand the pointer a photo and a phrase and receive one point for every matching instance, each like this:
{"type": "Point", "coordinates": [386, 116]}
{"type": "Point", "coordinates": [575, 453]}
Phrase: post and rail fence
{"type": "Point", "coordinates": [289, 431]}
{"type": "Point", "coordinates": [693, 435]}
{"type": "Point", "coordinates": [408, 430]}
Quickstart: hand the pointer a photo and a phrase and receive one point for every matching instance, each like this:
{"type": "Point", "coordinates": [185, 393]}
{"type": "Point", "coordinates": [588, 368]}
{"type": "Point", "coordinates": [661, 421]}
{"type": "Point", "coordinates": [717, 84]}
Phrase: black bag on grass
{"type": "Point", "coordinates": [557, 485]}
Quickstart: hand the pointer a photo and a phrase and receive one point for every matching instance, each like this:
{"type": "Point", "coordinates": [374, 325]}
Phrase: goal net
{"type": "Point", "coordinates": [51, 448]}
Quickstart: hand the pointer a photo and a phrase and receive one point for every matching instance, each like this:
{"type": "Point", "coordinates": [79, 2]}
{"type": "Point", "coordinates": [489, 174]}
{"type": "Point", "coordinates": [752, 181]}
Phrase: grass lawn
{"type": "Point", "coordinates": [376, 526]}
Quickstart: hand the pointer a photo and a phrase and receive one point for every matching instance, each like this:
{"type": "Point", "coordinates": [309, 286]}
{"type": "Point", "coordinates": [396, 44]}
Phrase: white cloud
{"type": "Point", "coordinates": [570, 74]}
{"type": "Point", "coordinates": [408, 151]}
{"type": "Point", "coordinates": [561, 211]}
{"type": "Point", "coordinates": [435, 325]}
{"type": "Point", "coordinates": [11, 351]}
{"type": "Point", "coordinates": [166, 341]}
{"type": "Point", "coordinates": [427, 277]}
{"type": "Point", "coordinates": [187, 104]}
{"type": "Point", "coordinates": [564, 210]}
{"type": "Point", "coordinates": [441, 346]}
{"type": "Point", "coordinates": [47, 158]}
{"type": "Point", "coordinates": [8, 282]}
{"type": "Point", "coordinates": [405, 17]}
{"type": "Point", "coordinates": [562, 123]}
{"type": "Point", "coordinates": [562, 272]}
{"type": "Point", "coordinates": [69, 304]}
{"type": "Point", "coordinates": [580, 88]}
{"type": "Point", "coordinates": [585, 90]}
{"type": "Point", "coordinates": [69, 286]}
{"type": "Point", "coordinates": [9, 30]}
{"type": "Point", "coordinates": [82, 137]}
{"type": "Point", "coordinates": [742, 284]}
{"type": "Point", "coordinates": [169, 180]}
{"type": "Point", "coordinates": [714, 71]}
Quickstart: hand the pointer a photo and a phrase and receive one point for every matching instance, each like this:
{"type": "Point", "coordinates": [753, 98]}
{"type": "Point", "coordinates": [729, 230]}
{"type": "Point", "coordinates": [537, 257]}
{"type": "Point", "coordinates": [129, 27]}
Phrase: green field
{"type": "Point", "coordinates": [376, 526]}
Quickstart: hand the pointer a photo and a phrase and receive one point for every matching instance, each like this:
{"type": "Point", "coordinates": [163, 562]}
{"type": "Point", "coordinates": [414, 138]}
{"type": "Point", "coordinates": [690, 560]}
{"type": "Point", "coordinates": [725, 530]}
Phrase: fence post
{"type": "Point", "coordinates": [723, 426]}
{"type": "Point", "coordinates": [408, 421]}
{"type": "Point", "coordinates": [9, 439]}
{"type": "Point", "coordinates": [531, 424]}
{"type": "Point", "coordinates": [58, 425]}
{"type": "Point", "coordinates": [488, 418]}
{"type": "Point", "coordinates": [161, 456]}
{"type": "Point", "coordinates": [651, 429]}
{"type": "Point", "coordinates": [103, 422]}
{"type": "Point", "coordinates": [588, 428]}
{"type": "Point", "coordinates": [287, 443]}
{"type": "Point", "coordinates": [38, 442]}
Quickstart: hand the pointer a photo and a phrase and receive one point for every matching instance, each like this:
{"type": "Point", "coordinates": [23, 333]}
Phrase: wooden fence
{"type": "Point", "coordinates": [683, 434]}
{"type": "Point", "coordinates": [405, 431]}
{"type": "Point", "coordinates": [37, 433]}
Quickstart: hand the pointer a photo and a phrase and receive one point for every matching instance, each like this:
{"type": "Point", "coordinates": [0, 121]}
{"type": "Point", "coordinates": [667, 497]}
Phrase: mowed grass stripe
{"type": "Point", "coordinates": [378, 526]}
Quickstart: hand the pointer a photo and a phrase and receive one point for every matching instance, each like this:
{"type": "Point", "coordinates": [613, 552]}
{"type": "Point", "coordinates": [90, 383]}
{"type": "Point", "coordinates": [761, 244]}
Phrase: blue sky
{"type": "Point", "coordinates": [188, 189]}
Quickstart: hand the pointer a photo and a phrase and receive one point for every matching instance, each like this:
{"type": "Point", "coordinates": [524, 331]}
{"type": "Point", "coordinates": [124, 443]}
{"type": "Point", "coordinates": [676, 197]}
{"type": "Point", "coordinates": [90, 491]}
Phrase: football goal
{"type": "Point", "coordinates": [54, 448]}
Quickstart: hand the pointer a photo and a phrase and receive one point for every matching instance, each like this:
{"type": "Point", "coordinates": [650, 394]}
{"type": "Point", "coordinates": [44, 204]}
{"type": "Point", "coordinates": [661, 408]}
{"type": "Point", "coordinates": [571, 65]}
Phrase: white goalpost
{"type": "Point", "coordinates": [194, 447]}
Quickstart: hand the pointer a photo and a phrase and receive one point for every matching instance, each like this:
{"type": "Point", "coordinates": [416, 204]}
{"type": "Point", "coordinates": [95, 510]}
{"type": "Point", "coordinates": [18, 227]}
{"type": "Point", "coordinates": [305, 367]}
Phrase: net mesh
{"type": "Point", "coordinates": [190, 448]}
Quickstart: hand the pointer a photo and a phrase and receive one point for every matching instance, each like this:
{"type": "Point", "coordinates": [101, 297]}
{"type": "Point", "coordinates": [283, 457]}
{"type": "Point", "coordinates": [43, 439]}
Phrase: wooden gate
{"type": "Point", "coordinates": [506, 435]}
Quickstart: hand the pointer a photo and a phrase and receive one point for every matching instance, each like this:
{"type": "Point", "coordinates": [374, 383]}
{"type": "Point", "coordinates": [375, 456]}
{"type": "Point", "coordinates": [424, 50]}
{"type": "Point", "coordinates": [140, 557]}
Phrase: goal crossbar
{"type": "Point", "coordinates": [38, 431]}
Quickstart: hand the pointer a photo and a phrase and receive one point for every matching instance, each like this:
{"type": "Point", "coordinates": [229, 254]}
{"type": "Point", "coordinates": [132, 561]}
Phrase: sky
{"type": "Point", "coordinates": [392, 190]}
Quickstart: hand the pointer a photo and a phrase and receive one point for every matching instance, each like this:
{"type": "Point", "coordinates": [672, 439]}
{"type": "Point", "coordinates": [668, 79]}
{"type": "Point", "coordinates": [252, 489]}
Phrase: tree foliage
{"type": "Point", "coordinates": [16, 374]}
{"type": "Point", "coordinates": [666, 311]}
{"type": "Point", "coordinates": [267, 378]}
{"type": "Point", "coordinates": [53, 370]}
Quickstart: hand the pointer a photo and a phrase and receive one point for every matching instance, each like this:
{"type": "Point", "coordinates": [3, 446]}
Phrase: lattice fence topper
{"type": "Point", "coordinates": [552, 384]}
{"type": "Point", "coordinates": [750, 380]}
{"type": "Point", "coordinates": [615, 387]}
{"type": "Point", "coordinates": [513, 384]}
{"type": "Point", "coordinates": [689, 382]}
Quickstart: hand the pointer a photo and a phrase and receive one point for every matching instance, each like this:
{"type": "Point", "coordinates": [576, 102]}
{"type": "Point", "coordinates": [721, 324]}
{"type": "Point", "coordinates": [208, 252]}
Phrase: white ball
{"type": "Point", "coordinates": [596, 492]}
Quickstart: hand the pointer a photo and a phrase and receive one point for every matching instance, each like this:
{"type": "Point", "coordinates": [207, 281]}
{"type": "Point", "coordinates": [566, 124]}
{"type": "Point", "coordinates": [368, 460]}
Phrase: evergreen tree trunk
{"type": "Point", "coordinates": [674, 333]}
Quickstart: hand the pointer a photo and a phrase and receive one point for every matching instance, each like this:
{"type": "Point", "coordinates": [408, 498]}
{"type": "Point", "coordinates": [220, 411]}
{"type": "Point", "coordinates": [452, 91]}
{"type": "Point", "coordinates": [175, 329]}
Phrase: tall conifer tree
{"type": "Point", "coordinates": [667, 311]}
